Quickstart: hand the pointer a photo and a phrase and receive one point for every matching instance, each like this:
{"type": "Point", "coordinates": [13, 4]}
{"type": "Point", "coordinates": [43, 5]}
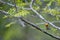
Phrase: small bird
{"type": "Point", "coordinates": [47, 27]}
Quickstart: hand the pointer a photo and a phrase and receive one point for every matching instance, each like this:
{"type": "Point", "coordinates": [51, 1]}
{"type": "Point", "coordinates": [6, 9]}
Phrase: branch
{"type": "Point", "coordinates": [41, 17]}
{"type": "Point", "coordinates": [33, 25]}
{"type": "Point", "coordinates": [14, 5]}
{"type": "Point", "coordinates": [44, 22]}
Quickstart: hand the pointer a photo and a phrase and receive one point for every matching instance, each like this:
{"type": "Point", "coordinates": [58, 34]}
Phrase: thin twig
{"type": "Point", "coordinates": [51, 22]}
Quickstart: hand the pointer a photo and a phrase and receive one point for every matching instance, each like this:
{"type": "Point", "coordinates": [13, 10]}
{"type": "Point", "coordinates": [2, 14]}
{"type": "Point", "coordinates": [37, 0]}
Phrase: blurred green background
{"type": "Point", "coordinates": [11, 29]}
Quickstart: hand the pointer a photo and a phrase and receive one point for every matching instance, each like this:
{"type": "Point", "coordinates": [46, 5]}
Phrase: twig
{"type": "Point", "coordinates": [14, 5]}
{"type": "Point", "coordinates": [44, 22]}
